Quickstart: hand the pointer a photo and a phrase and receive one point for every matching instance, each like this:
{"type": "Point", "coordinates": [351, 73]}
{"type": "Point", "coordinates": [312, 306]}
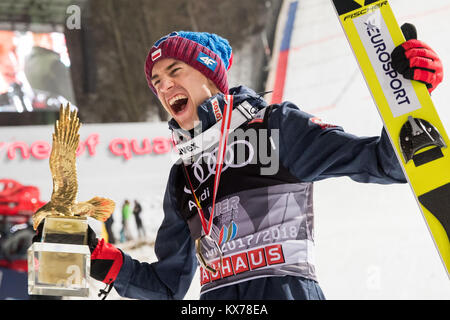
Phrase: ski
{"type": "Point", "coordinates": [407, 111]}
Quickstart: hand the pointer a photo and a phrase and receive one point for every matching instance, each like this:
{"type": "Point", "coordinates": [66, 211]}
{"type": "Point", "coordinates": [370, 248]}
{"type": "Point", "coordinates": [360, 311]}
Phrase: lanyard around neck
{"type": "Point", "coordinates": [221, 151]}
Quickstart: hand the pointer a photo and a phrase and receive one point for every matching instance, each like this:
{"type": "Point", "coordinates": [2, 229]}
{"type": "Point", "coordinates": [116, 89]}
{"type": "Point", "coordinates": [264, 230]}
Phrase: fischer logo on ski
{"type": "Point", "coordinates": [363, 11]}
{"type": "Point", "coordinates": [346, 6]}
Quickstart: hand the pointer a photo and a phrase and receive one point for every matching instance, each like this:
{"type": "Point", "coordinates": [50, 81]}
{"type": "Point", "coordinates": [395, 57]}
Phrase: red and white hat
{"type": "Point", "coordinates": [207, 52]}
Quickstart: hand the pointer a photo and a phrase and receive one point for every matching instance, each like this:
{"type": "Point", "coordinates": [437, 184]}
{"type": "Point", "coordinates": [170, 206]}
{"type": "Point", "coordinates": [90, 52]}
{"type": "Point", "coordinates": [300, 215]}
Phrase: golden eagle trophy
{"type": "Point", "coordinates": [59, 264]}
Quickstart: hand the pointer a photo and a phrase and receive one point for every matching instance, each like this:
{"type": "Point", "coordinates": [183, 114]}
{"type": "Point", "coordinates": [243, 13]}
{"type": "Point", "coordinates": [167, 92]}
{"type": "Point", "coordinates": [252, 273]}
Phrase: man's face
{"type": "Point", "coordinates": [181, 89]}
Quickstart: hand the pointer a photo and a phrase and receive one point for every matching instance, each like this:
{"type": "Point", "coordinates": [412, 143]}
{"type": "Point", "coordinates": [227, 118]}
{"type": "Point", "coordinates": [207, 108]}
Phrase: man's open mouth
{"type": "Point", "coordinates": [178, 103]}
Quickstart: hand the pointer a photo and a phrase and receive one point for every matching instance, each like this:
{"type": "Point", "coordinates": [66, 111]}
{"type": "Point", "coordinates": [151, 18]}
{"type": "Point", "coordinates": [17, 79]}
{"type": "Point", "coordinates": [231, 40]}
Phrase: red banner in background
{"type": "Point", "coordinates": [120, 147]}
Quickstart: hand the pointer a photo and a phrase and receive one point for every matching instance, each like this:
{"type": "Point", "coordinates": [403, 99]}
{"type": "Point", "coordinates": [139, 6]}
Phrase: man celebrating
{"type": "Point", "coordinates": [249, 227]}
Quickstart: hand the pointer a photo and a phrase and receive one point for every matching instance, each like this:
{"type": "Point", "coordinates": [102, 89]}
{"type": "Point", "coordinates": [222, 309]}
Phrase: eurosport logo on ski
{"type": "Point", "coordinates": [376, 38]}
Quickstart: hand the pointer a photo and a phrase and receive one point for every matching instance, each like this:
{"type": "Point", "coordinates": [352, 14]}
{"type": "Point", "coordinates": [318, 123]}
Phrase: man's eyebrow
{"type": "Point", "coordinates": [167, 69]}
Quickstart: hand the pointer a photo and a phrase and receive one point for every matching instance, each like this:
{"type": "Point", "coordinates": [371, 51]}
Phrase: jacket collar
{"type": "Point", "coordinates": [209, 115]}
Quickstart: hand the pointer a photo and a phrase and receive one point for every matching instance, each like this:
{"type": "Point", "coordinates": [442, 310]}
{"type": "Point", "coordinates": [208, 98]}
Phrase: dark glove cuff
{"type": "Point", "coordinates": [38, 236]}
{"type": "Point", "coordinates": [92, 240]}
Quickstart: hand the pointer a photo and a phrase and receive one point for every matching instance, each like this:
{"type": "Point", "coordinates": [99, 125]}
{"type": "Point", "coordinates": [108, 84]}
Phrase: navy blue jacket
{"type": "Point", "coordinates": [311, 151]}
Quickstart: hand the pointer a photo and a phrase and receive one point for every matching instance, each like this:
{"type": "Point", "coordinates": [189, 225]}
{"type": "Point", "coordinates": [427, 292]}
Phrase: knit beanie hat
{"type": "Point", "coordinates": [207, 52]}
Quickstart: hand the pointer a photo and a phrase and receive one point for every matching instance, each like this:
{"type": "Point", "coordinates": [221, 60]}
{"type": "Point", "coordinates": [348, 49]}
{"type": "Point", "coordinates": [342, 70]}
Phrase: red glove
{"type": "Point", "coordinates": [415, 60]}
{"type": "Point", "coordinates": [106, 259]}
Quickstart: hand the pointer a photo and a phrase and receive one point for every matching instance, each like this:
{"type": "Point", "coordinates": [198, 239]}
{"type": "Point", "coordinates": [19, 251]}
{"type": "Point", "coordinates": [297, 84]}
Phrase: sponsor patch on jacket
{"type": "Point", "coordinates": [216, 109]}
{"type": "Point", "coordinates": [207, 61]}
{"type": "Point", "coordinates": [322, 124]}
{"type": "Point", "coordinates": [245, 261]}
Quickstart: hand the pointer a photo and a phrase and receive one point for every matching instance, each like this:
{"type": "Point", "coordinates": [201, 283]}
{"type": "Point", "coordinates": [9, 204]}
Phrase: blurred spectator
{"type": "Point", "coordinates": [137, 211]}
{"type": "Point", "coordinates": [108, 226]}
{"type": "Point", "coordinates": [126, 213]}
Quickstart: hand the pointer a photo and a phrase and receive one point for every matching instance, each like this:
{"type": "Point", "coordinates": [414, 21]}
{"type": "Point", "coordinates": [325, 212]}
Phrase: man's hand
{"type": "Point", "coordinates": [106, 259]}
{"type": "Point", "coordinates": [415, 60]}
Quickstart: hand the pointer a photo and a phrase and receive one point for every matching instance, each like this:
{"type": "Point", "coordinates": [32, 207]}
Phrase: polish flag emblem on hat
{"type": "Point", "coordinates": [156, 54]}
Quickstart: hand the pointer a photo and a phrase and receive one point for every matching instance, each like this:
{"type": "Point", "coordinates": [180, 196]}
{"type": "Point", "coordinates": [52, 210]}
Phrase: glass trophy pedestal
{"type": "Point", "coordinates": [60, 264]}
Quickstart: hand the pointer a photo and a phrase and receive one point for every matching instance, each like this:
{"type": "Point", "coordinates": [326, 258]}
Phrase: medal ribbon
{"type": "Point", "coordinates": [221, 151]}
{"type": "Point", "coordinates": [224, 130]}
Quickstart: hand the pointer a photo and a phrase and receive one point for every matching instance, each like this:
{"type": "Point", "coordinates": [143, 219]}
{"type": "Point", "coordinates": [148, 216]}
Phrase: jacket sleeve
{"type": "Point", "coordinates": [313, 151]}
{"type": "Point", "coordinates": [170, 277]}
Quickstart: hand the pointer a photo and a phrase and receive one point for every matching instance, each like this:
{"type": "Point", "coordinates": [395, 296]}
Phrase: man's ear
{"type": "Point", "coordinates": [212, 87]}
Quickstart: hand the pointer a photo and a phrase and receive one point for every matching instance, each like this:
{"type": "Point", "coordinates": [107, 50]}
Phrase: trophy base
{"type": "Point", "coordinates": [58, 269]}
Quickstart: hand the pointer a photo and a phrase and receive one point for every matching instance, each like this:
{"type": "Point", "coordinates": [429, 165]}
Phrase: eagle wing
{"type": "Point", "coordinates": [63, 159]}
